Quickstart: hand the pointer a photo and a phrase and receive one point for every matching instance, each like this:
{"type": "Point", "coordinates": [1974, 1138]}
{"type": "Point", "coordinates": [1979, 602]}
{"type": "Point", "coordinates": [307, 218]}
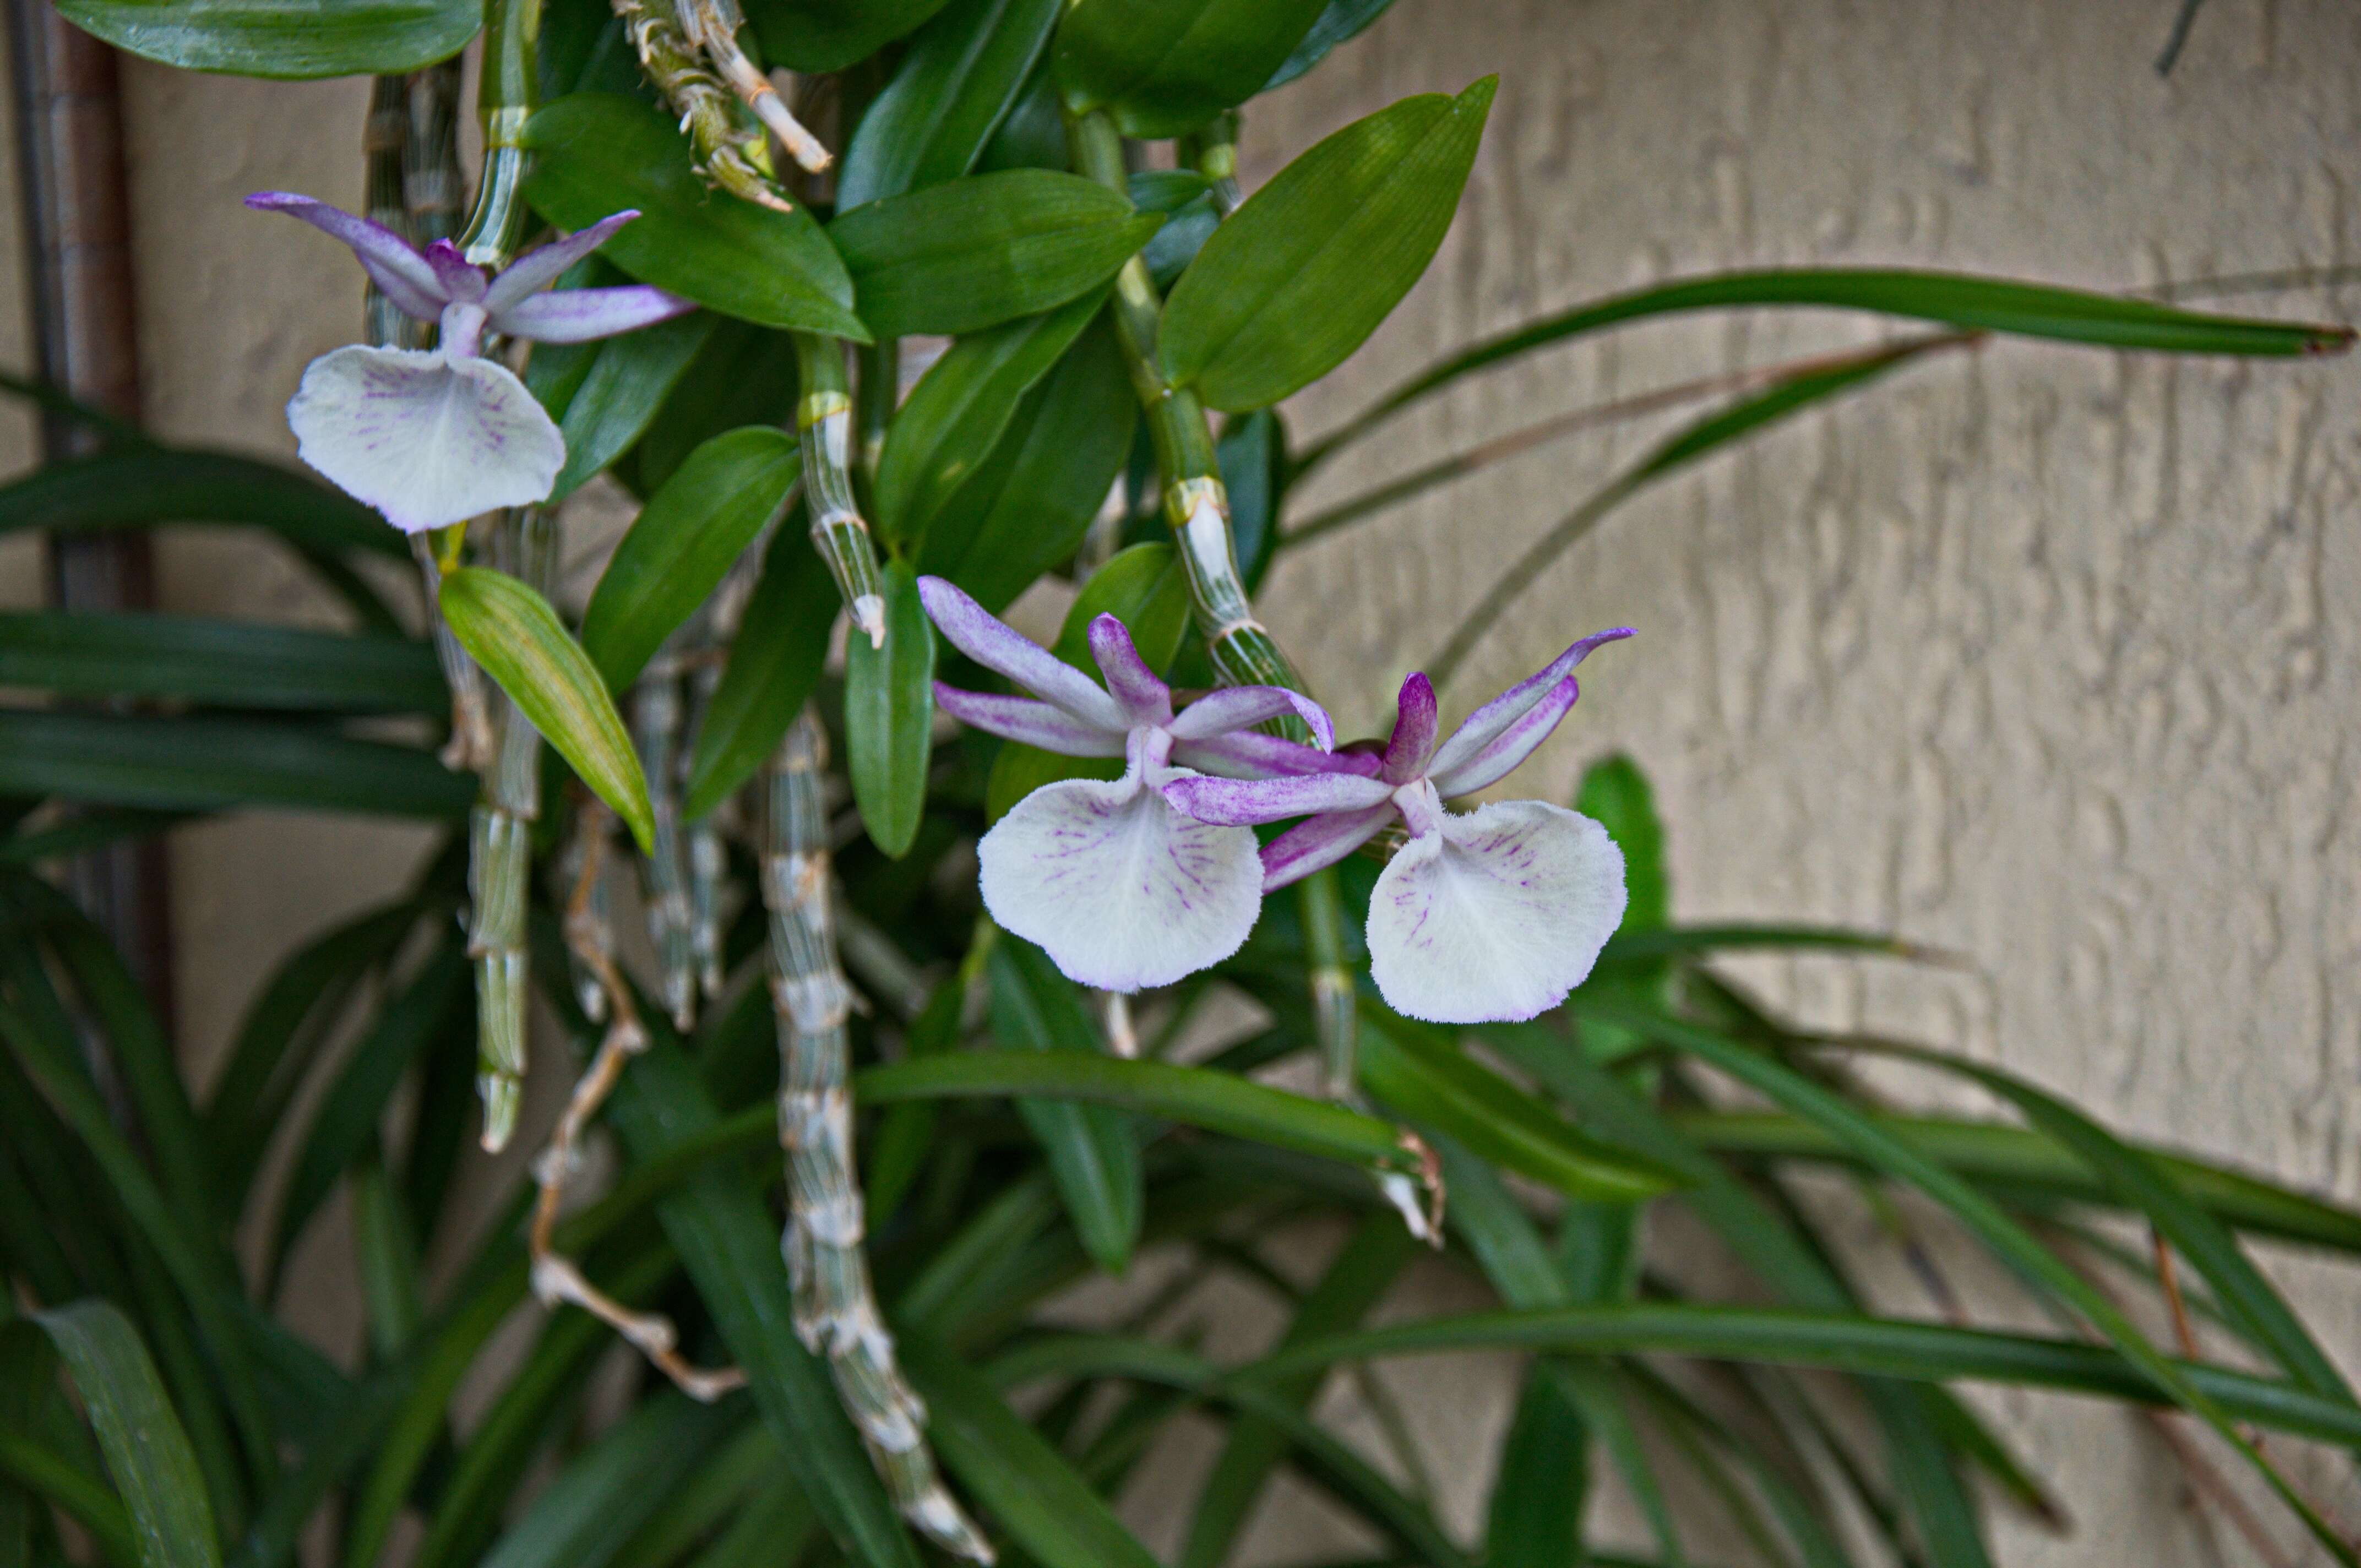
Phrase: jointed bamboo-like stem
{"type": "Point", "coordinates": [657, 723]}
{"type": "Point", "coordinates": [732, 154]}
{"type": "Point", "coordinates": [836, 1313]}
{"type": "Point", "coordinates": [433, 187]}
{"type": "Point", "coordinates": [556, 1277]}
{"type": "Point", "coordinates": [824, 421]}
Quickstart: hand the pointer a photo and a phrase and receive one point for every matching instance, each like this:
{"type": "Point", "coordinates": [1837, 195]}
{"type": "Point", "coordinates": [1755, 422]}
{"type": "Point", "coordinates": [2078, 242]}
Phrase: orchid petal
{"type": "Point", "coordinates": [427, 439]}
{"type": "Point", "coordinates": [461, 280]}
{"type": "Point", "coordinates": [1412, 741]}
{"type": "Point", "coordinates": [1142, 692]}
{"type": "Point", "coordinates": [578, 315]}
{"type": "Point", "coordinates": [1244, 802]}
{"type": "Point", "coordinates": [537, 270]}
{"type": "Point", "coordinates": [1244, 754]}
{"type": "Point", "coordinates": [1497, 916]}
{"type": "Point", "coordinates": [1122, 891]}
{"type": "Point", "coordinates": [1319, 842]}
{"type": "Point", "coordinates": [1236, 708]}
{"type": "Point", "coordinates": [1489, 729]}
{"type": "Point", "coordinates": [391, 262]}
{"type": "Point", "coordinates": [976, 632]}
{"type": "Point", "coordinates": [1034, 723]}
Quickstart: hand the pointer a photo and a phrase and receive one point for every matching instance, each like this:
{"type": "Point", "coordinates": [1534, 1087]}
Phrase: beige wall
{"type": "Point", "coordinates": [2042, 655]}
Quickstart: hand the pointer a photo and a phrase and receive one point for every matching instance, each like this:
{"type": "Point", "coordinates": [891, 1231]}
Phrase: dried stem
{"type": "Point", "coordinates": [556, 1277]}
{"type": "Point", "coordinates": [836, 1313]}
{"type": "Point", "coordinates": [712, 26]}
{"type": "Point", "coordinates": [732, 154]}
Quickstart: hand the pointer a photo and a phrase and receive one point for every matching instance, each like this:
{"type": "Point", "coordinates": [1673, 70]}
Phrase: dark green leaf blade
{"type": "Point", "coordinates": [513, 633]}
{"type": "Point", "coordinates": [264, 37]}
{"type": "Point", "coordinates": [213, 764]}
{"type": "Point", "coordinates": [683, 543]}
{"type": "Point", "coordinates": [1164, 66]}
{"type": "Point", "coordinates": [1305, 270]}
{"type": "Point", "coordinates": [140, 486]}
{"type": "Point", "coordinates": [775, 665]}
{"type": "Point", "coordinates": [1340, 21]}
{"type": "Point", "coordinates": [598, 153]}
{"type": "Point", "coordinates": [889, 715]}
{"type": "Point", "coordinates": [961, 76]}
{"type": "Point", "coordinates": [232, 663]}
{"type": "Point", "coordinates": [974, 253]}
{"type": "Point", "coordinates": [626, 382]}
{"type": "Point", "coordinates": [827, 35]}
{"type": "Point", "coordinates": [147, 1454]}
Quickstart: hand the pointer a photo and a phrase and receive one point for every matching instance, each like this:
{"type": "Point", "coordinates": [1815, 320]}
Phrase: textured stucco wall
{"type": "Point", "coordinates": [2039, 655]}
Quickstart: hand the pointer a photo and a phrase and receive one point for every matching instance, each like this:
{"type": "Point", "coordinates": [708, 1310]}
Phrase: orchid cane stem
{"type": "Point", "coordinates": [824, 419]}
{"type": "Point", "coordinates": [657, 719]}
{"type": "Point", "coordinates": [836, 1313]}
{"type": "Point", "coordinates": [733, 153]}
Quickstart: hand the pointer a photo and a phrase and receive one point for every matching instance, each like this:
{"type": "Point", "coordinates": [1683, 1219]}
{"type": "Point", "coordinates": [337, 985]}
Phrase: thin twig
{"type": "Point", "coordinates": [2178, 37]}
{"type": "Point", "coordinates": [2169, 1275]}
{"type": "Point", "coordinates": [556, 1279]}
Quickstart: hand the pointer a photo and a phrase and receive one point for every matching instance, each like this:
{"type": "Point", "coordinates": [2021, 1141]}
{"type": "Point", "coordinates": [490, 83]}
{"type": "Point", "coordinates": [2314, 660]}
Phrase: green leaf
{"type": "Point", "coordinates": [147, 1454]}
{"type": "Point", "coordinates": [1339, 21]}
{"type": "Point", "coordinates": [1033, 133]}
{"type": "Point", "coordinates": [1688, 942]}
{"type": "Point", "coordinates": [683, 543]}
{"type": "Point", "coordinates": [213, 764]}
{"type": "Point", "coordinates": [975, 252]}
{"type": "Point", "coordinates": [1615, 794]}
{"type": "Point", "coordinates": [142, 486]}
{"type": "Point", "coordinates": [1093, 1151]}
{"type": "Point", "coordinates": [1300, 274]}
{"type": "Point", "coordinates": [1028, 1487]}
{"type": "Point", "coordinates": [514, 634]}
{"type": "Point", "coordinates": [774, 666]}
{"type": "Point", "coordinates": [1953, 299]}
{"type": "Point", "coordinates": [1543, 1485]}
{"type": "Point", "coordinates": [889, 715]}
{"type": "Point", "coordinates": [231, 663]}
{"type": "Point", "coordinates": [625, 383]}
{"type": "Point", "coordinates": [1025, 508]}
{"type": "Point", "coordinates": [745, 375]}
{"type": "Point", "coordinates": [826, 35]}
{"type": "Point", "coordinates": [587, 1512]}
{"type": "Point", "coordinates": [1166, 67]}
{"type": "Point", "coordinates": [1427, 1079]}
{"type": "Point", "coordinates": [598, 153]}
{"type": "Point", "coordinates": [957, 411]}
{"type": "Point", "coordinates": [959, 79]}
{"type": "Point", "coordinates": [268, 38]}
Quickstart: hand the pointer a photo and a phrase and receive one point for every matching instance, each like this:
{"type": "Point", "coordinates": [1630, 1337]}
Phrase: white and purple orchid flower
{"type": "Point", "coordinates": [1491, 916]}
{"type": "Point", "coordinates": [1122, 891]}
{"type": "Point", "coordinates": [432, 437]}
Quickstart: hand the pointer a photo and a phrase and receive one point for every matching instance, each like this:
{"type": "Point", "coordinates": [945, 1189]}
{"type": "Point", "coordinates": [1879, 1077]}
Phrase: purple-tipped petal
{"type": "Point", "coordinates": [1238, 707]}
{"type": "Point", "coordinates": [461, 280]}
{"type": "Point", "coordinates": [1022, 719]}
{"type": "Point", "coordinates": [537, 270]}
{"type": "Point", "coordinates": [976, 632]}
{"type": "Point", "coordinates": [1488, 727]}
{"type": "Point", "coordinates": [1412, 741]}
{"type": "Point", "coordinates": [1244, 754]}
{"type": "Point", "coordinates": [1244, 803]}
{"type": "Point", "coordinates": [392, 263]}
{"type": "Point", "coordinates": [1320, 842]}
{"type": "Point", "coordinates": [578, 315]}
{"type": "Point", "coordinates": [1143, 693]}
{"type": "Point", "coordinates": [1496, 916]}
{"type": "Point", "coordinates": [1510, 746]}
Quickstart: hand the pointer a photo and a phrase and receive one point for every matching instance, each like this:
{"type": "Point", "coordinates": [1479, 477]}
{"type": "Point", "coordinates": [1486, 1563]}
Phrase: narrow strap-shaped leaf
{"type": "Point", "coordinates": [513, 633]}
{"type": "Point", "coordinates": [142, 486]}
{"type": "Point", "coordinates": [226, 662]}
{"type": "Point", "coordinates": [590, 1509]}
{"type": "Point", "coordinates": [147, 1454]}
{"type": "Point", "coordinates": [1542, 1488]}
{"type": "Point", "coordinates": [889, 715]}
{"type": "Point", "coordinates": [775, 663]}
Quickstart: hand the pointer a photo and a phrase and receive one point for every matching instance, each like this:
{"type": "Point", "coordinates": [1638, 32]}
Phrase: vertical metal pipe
{"type": "Point", "coordinates": [77, 226]}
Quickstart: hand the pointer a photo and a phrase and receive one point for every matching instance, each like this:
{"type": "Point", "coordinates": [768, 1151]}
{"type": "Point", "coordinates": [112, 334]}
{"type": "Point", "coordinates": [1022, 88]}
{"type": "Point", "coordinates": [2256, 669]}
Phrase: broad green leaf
{"type": "Point", "coordinates": [1033, 133]}
{"type": "Point", "coordinates": [140, 486]}
{"type": "Point", "coordinates": [813, 36]}
{"type": "Point", "coordinates": [1025, 508]}
{"type": "Point", "coordinates": [975, 252]}
{"type": "Point", "coordinates": [1953, 299]}
{"type": "Point", "coordinates": [745, 375]}
{"type": "Point", "coordinates": [1164, 66]}
{"type": "Point", "coordinates": [215, 764]}
{"type": "Point", "coordinates": [147, 1454]}
{"type": "Point", "coordinates": [1092, 1150]}
{"type": "Point", "coordinates": [513, 633]}
{"type": "Point", "coordinates": [959, 79]}
{"type": "Point", "coordinates": [1339, 21]}
{"type": "Point", "coordinates": [774, 666]}
{"type": "Point", "coordinates": [1300, 274]}
{"type": "Point", "coordinates": [1614, 792]}
{"type": "Point", "coordinates": [1427, 1079]}
{"type": "Point", "coordinates": [1146, 588]}
{"type": "Point", "coordinates": [1030, 1489]}
{"type": "Point", "coordinates": [268, 38]}
{"type": "Point", "coordinates": [625, 383]}
{"type": "Point", "coordinates": [956, 413]}
{"type": "Point", "coordinates": [889, 715]}
{"type": "Point", "coordinates": [226, 662]}
{"type": "Point", "coordinates": [598, 153]}
{"type": "Point", "coordinates": [683, 543]}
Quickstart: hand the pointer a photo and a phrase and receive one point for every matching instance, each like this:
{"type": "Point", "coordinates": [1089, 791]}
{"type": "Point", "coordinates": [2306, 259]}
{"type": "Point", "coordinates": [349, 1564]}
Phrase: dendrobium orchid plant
{"type": "Point", "coordinates": [434, 437]}
{"type": "Point", "coordinates": [1490, 915]}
